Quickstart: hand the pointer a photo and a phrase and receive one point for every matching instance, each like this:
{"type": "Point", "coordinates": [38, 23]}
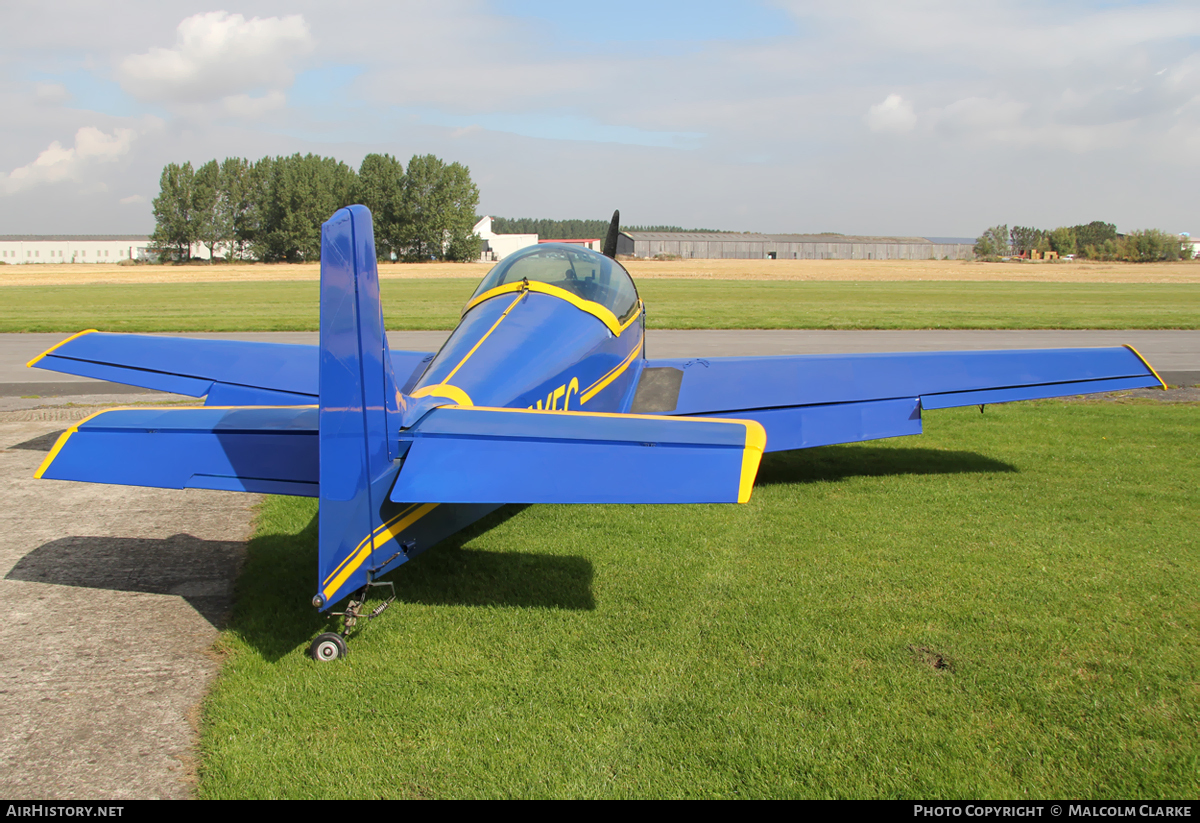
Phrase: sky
{"type": "Point", "coordinates": [930, 117]}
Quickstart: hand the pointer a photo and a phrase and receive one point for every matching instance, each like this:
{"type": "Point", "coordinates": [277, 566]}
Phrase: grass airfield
{"type": "Point", "coordinates": [1003, 607]}
{"type": "Point", "coordinates": [671, 303]}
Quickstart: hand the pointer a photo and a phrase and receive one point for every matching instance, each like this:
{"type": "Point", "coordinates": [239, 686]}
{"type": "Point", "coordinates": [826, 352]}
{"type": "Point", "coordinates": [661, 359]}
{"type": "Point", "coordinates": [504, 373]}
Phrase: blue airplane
{"type": "Point", "coordinates": [542, 394]}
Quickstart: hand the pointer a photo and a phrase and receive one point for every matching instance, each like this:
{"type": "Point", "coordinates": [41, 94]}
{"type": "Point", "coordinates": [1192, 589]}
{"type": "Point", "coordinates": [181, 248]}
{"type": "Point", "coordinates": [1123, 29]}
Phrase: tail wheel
{"type": "Point", "coordinates": [328, 646]}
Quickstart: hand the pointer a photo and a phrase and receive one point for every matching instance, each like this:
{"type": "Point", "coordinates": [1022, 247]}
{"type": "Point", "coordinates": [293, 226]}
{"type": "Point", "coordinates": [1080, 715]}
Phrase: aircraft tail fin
{"type": "Point", "coordinates": [360, 410]}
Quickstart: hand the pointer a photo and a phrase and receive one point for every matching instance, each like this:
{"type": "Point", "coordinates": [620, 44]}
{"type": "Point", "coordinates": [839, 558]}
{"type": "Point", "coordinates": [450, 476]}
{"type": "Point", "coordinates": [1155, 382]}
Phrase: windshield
{"type": "Point", "coordinates": [581, 271]}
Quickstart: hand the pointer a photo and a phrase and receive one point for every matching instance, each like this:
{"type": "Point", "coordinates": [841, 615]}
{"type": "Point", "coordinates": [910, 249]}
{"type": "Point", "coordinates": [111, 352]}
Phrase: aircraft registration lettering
{"type": "Point", "coordinates": [564, 391]}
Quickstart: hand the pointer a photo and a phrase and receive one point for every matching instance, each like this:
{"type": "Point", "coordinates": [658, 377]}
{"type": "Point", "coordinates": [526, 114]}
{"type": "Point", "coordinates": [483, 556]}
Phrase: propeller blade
{"type": "Point", "coordinates": [610, 240]}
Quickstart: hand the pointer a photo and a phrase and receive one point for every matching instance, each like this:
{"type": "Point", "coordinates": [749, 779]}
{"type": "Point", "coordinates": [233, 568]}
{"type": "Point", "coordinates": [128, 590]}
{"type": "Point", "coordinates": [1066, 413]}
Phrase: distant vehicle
{"type": "Point", "coordinates": [1068, 257]}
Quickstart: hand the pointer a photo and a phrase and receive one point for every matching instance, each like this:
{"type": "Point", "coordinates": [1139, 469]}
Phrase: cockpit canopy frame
{"type": "Point", "coordinates": [581, 272]}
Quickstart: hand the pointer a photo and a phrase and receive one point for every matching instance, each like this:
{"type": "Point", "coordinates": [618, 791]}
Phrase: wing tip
{"type": "Point", "coordinates": [75, 336]}
{"type": "Point", "coordinates": [1146, 363]}
{"type": "Point", "coordinates": [752, 452]}
{"type": "Point", "coordinates": [65, 436]}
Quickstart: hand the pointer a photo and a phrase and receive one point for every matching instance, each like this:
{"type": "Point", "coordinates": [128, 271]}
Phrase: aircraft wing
{"type": "Point", "coordinates": [816, 400]}
{"type": "Point", "coordinates": [229, 372]}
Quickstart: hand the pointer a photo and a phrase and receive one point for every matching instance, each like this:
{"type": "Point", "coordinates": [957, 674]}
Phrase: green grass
{"type": "Point", "coordinates": [678, 304]}
{"type": "Point", "coordinates": [1004, 607]}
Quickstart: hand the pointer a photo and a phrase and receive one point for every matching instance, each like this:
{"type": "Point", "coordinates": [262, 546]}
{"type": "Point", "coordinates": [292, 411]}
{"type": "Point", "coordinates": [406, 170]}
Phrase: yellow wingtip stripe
{"type": "Point", "coordinates": [65, 436]}
{"type": "Point", "coordinates": [62, 441]}
{"type": "Point", "coordinates": [1146, 363]}
{"type": "Point", "coordinates": [29, 365]}
{"type": "Point", "coordinates": [756, 444]}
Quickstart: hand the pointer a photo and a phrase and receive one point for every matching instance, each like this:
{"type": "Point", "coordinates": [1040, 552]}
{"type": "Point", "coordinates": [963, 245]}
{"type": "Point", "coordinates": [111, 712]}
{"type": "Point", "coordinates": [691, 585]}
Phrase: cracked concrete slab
{"type": "Point", "coordinates": [110, 601]}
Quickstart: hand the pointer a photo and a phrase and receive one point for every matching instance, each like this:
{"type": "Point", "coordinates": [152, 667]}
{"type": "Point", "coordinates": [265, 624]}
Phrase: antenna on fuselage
{"type": "Point", "coordinates": [610, 240]}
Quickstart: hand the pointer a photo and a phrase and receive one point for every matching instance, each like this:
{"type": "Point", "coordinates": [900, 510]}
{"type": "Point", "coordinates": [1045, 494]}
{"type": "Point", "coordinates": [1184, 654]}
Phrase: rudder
{"type": "Point", "coordinates": [359, 409]}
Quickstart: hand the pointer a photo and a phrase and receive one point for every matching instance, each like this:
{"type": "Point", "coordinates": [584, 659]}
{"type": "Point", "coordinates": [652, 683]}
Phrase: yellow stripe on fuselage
{"type": "Point", "coordinates": [383, 533]}
{"type": "Point", "coordinates": [445, 390]}
{"type": "Point", "coordinates": [511, 306]}
{"type": "Point", "coordinates": [594, 389]}
{"type": "Point", "coordinates": [56, 345]}
{"type": "Point", "coordinates": [602, 313]}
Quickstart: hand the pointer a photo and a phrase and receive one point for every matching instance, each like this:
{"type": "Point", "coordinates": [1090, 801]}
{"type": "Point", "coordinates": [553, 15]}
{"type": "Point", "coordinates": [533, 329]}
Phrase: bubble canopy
{"type": "Point", "coordinates": [580, 271]}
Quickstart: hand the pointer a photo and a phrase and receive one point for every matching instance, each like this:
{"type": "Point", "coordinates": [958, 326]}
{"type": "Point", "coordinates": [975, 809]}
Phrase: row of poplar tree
{"type": "Point", "coordinates": [1095, 241]}
{"type": "Point", "coordinates": [272, 209]}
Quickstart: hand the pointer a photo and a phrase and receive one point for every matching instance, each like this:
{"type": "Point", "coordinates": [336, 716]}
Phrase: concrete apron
{"type": "Point", "coordinates": [109, 605]}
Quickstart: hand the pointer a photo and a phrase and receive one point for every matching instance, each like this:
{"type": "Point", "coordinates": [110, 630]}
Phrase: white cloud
{"type": "Point", "coordinates": [133, 199]}
{"type": "Point", "coordinates": [51, 92]}
{"type": "Point", "coordinates": [219, 55]}
{"type": "Point", "coordinates": [56, 163]}
{"type": "Point", "coordinates": [979, 114]}
{"type": "Point", "coordinates": [245, 106]}
{"type": "Point", "coordinates": [894, 114]}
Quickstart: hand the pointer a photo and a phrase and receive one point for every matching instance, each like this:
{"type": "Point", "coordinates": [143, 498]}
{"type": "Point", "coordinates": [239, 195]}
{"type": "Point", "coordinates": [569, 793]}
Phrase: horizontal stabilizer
{"type": "Point", "coordinates": [267, 450]}
{"type": "Point", "coordinates": [482, 455]}
{"type": "Point", "coordinates": [230, 372]}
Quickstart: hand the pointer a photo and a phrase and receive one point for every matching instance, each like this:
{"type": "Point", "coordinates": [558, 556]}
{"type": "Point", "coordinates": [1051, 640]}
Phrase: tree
{"type": "Point", "coordinates": [237, 205]}
{"type": "Point", "coordinates": [1148, 246]}
{"type": "Point", "coordinates": [210, 222]}
{"type": "Point", "coordinates": [993, 243]}
{"type": "Point", "coordinates": [1062, 240]}
{"type": "Point", "coordinates": [380, 188]}
{"type": "Point", "coordinates": [1025, 239]}
{"type": "Point", "coordinates": [273, 208]}
{"type": "Point", "coordinates": [303, 193]}
{"type": "Point", "coordinates": [174, 224]}
{"type": "Point", "coordinates": [438, 211]}
{"type": "Point", "coordinates": [1094, 234]}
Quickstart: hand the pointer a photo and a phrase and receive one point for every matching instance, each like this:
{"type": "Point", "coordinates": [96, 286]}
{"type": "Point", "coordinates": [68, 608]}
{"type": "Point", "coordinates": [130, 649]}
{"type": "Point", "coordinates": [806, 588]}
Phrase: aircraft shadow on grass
{"type": "Point", "coordinates": [842, 462]}
{"type": "Point", "coordinates": [450, 575]}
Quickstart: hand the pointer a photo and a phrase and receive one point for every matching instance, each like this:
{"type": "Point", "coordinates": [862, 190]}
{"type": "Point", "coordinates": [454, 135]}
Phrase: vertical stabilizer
{"type": "Point", "coordinates": [358, 408]}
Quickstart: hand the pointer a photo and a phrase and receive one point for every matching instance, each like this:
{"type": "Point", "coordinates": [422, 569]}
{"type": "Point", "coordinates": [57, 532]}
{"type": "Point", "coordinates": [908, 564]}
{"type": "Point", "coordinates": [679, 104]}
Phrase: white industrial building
{"type": "Point", "coordinates": [748, 246]}
{"type": "Point", "coordinates": [499, 246]}
{"type": "Point", "coordinates": [75, 248]}
{"type": "Point", "coordinates": [593, 243]}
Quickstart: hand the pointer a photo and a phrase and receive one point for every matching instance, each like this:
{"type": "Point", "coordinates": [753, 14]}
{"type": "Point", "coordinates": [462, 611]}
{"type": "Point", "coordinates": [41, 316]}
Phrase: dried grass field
{"type": "Point", "coordinates": [816, 270]}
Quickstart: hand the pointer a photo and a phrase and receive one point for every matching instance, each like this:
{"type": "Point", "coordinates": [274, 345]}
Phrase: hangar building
{"type": "Point", "coordinates": [748, 246]}
{"type": "Point", "coordinates": [498, 246]}
{"type": "Point", "coordinates": [74, 248]}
